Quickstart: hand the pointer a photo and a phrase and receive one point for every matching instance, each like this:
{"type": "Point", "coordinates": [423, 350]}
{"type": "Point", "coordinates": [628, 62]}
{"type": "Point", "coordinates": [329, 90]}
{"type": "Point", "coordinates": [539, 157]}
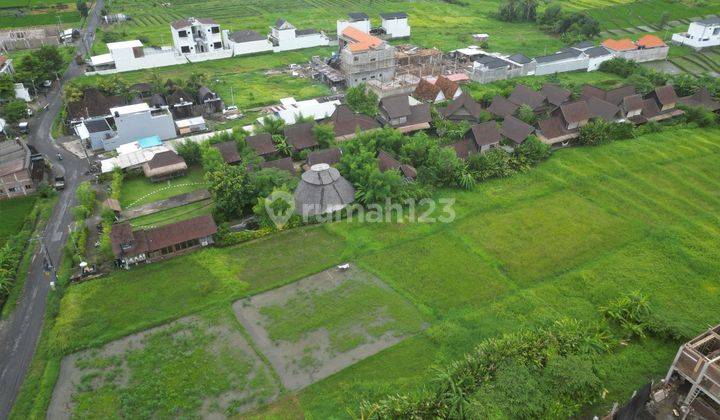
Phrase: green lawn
{"type": "Point", "coordinates": [19, 13]}
{"type": "Point", "coordinates": [557, 241]}
{"type": "Point", "coordinates": [196, 366]}
{"type": "Point", "coordinates": [138, 190]}
{"type": "Point", "coordinates": [242, 79]}
{"type": "Point", "coordinates": [352, 313]}
{"type": "Point", "coordinates": [127, 301]}
{"type": "Point", "coordinates": [12, 215]}
{"type": "Point", "coordinates": [174, 215]}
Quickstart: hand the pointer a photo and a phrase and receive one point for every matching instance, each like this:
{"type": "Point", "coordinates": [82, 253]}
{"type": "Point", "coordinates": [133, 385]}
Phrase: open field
{"type": "Point", "coordinates": [137, 190]}
{"type": "Point", "coordinates": [200, 365]}
{"type": "Point", "coordinates": [242, 80]}
{"type": "Point", "coordinates": [20, 13]}
{"type": "Point", "coordinates": [176, 214]}
{"type": "Point", "coordinates": [13, 213]}
{"type": "Point", "coordinates": [558, 241]}
{"type": "Point", "coordinates": [319, 325]}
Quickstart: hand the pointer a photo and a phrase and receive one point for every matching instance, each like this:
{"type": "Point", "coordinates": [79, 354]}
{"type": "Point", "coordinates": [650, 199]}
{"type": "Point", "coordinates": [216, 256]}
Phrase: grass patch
{"type": "Point", "coordinates": [559, 240]}
{"type": "Point", "coordinates": [357, 310]}
{"type": "Point", "coordinates": [193, 367]}
{"type": "Point", "coordinates": [13, 213]}
{"type": "Point", "coordinates": [173, 215]}
{"type": "Point", "coordinates": [138, 190]}
{"type": "Point", "coordinates": [95, 312]}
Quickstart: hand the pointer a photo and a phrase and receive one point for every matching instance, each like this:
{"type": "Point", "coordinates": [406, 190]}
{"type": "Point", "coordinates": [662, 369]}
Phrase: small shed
{"type": "Point", "coordinates": [190, 125]}
{"type": "Point", "coordinates": [164, 165]}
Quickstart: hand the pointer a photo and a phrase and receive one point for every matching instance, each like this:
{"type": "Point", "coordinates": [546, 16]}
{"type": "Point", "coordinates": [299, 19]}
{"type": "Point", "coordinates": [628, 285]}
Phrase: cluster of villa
{"type": "Point", "coordinates": [584, 56]}
{"type": "Point", "coordinates": [197, 39]}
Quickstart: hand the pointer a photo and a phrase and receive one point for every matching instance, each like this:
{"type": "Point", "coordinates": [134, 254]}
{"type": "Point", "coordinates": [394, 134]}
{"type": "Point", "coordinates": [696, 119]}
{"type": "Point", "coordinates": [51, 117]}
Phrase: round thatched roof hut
{"type": "Point", "coordinates": [322, 190]}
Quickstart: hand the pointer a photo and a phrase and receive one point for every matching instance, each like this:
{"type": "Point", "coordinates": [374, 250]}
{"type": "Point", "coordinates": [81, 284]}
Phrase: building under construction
{"type": "Point", "coordinates": [690, 390]}
{"type": "Point", "coordinates": [696, 369]}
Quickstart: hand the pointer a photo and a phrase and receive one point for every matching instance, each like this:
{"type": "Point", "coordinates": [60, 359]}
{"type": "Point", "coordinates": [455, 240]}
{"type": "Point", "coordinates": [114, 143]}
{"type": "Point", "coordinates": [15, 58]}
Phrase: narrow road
{"type": "Point", "coordinates": [19, 334]}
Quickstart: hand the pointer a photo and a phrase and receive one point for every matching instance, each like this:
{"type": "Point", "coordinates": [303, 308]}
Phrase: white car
{"type": "Point", "coordinates": [232, 112]}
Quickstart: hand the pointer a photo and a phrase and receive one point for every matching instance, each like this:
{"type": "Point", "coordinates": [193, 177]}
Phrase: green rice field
{"type": "Point", "coordinates": [434, 23]}
{"type": "Point", "coordinates": [21, 13]}
{"type": "Point", "coordinates": [12, 214]}
{"type": "Point", "coordinates": [560, 240]}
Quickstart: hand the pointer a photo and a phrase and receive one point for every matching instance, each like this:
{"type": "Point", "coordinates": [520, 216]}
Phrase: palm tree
{"type": "Point", "coordinates": [282, 145]}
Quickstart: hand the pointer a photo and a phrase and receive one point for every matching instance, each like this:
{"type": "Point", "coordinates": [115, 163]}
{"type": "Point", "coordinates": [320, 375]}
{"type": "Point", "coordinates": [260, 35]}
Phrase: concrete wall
{"type": "Point", "coordinates": [243, 48]}
{"type": "Point", "coordinates": [368, 65]}
{"type": "Point", "coordinates": [363, 25]}
{"type": "Point", "coordinates": [20, 181]}
{"type": "Point", "coordinates": [396, 28]}
{"type": "Point", "coordinates": [482, 75]}
{"type": "Point", "coordinates": [594, 63]}
{"type": "Point", "coordinates": [186, 41]}
{"type": "Point", "coordinates": [288, 41]}
{"type": "Point", "coordinates": [642, 55]}
{"type": "Point", "coordinates": [125, 59]}
{"type": "Point", "coordinates": [561, 66]}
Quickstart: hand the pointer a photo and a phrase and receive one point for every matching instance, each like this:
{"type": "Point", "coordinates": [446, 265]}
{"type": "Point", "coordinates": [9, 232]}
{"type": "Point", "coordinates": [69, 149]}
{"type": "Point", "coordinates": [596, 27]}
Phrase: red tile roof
{"type": "Point", "coordinates": [619, 44]}
{"type": "Point", "coordinates": [650, 41]}
{"type": "Point", "coordinates": [359, 40]}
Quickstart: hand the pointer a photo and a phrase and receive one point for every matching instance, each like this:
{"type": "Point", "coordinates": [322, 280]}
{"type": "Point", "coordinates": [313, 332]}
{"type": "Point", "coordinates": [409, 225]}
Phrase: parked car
{"type": "Point", "coordinates": [24, 126]}
{"type": "Point", "coordinates": [59, 183]}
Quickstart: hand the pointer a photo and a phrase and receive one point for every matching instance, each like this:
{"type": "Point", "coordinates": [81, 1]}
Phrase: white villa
{"type": "Point", "coordinates": [700, 34]}
{"type": "Point", "coordinates": [196, 36]}
{"type": "Point", "coordinates": [284, 37]}
{"type": "Point", "coordinates": [395, 24]}
{"type": "Point", "coordinates": [359, 21]}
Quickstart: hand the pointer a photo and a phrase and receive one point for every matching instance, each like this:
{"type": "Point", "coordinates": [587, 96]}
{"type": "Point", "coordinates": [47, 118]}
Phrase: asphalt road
{"type": "Point", "coordinates": [19, 334]}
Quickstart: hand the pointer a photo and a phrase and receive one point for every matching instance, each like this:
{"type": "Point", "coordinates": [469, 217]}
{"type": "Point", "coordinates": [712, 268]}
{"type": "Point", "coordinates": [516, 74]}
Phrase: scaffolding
{"type": "Point", "coordinates": [698, 362]}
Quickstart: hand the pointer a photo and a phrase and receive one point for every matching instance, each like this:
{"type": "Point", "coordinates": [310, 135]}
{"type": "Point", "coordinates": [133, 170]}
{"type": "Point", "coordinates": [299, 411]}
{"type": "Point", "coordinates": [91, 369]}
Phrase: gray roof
{"type": "Point", "coordinates": [571, 50]}
{"type": "Point", "coordinates": [11, 150]}
{"type": "Point", "coordinates": [322, 190]}
{"type": "Point", "coordinates": [584, 45]}
{"type": "Point", "coordinates": [492, 62]}
{"type": "Point", "coordinates": [246, 36]}
{"type": "Point", "coordinates": [715, 20]}
{"type": "Point", "coordinates": [396, 106]}
{"type": "Point", "coordinates": [300, 32]}
{"type": "Point", "coordinates": [396, 15]}
{"type": "Point", "coordinates": [565, 55]}
{"type": "Point", "coordinates": [598, 51]}
{"type": "Point", "coordinates": [520, 58]}
{"type": "Point", "coordinates": [97, 126]}
{"type": "Point", "coordinates": [357, 16]}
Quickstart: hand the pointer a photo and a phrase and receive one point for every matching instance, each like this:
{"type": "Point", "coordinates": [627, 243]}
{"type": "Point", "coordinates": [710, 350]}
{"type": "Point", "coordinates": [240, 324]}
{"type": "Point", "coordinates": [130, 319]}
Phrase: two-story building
{"type": "Point", "coordinates": [358, 20]}
{"type": "Point", "coordinates": [16, 169]}
{"type": "Point", "coordinates": [196, 36]}
{"type": "Point", "coordinates": [395, 25]}
{"type": "Point", "coordinates": [137, 121]}
{"type": "Point", "coordinates": [364, 57]}
{"type": "Point", "coordinates": [700, 34]}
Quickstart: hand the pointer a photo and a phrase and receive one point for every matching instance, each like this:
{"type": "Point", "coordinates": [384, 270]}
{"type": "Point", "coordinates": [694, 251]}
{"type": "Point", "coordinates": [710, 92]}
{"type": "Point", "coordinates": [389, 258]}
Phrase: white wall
{"type": "Point", "coordinates": [396, 28]}
{"type": "Point", "coordinates": [125, 59]}
{"type": "Point", "coordinates": [362, 25]}
{"type": "Point", "coordinates": [186, 41]}
{"type": "Point", "coordinates": [594, 63]}
{"type": "Point", "coordinates": [251, 47]}
{"type": "Point", "coordinates": [699, 36]}
{"type": "Point", "coordinates": [287, 43]}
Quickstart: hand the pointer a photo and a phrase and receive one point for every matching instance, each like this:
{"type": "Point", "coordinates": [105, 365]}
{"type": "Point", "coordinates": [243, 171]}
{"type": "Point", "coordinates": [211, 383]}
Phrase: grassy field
{"type": "Point", "coordinates": [138, 190]}
{"type": "Point", "coordinates": [434, 23]}
{"type": "Point", "coordinates": [12, 214]}
{"type": "Point", "coordinates": [199, 366]}
{"type": "Point", "coordinates": [173, 215]}
{"type": "Point", "coordinates": [19, 13]}
{"type": "Point", "coordinates": [242, 80]}
{"type": "Point", "coordinates": [559, 240]}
